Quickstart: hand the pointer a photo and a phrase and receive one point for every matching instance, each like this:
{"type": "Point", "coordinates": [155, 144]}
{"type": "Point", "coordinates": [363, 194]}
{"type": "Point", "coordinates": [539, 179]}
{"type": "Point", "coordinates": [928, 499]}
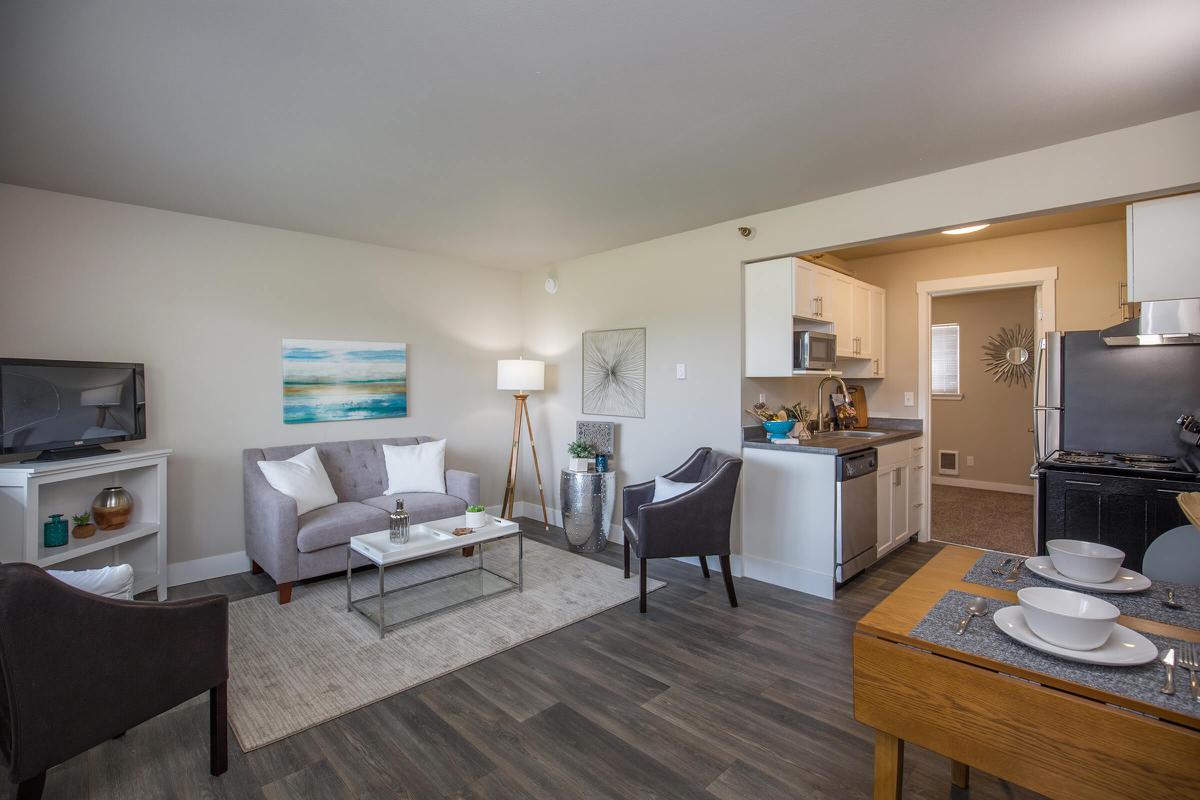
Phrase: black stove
{"type": "Point", "coordinates": [1149, 465]}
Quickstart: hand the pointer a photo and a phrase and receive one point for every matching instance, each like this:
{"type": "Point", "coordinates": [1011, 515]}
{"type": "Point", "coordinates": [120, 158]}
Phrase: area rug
{"type": "Point", "coordinates": [295, 666]}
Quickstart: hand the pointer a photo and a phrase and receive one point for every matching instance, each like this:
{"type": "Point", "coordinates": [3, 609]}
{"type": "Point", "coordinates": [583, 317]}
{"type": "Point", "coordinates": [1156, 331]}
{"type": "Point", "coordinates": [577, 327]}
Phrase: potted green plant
{"type": "Point", "coordinates": [476, 516]}
{"type": "Point", "coordinates": [581, 453]}
{"type": "Point", "coordinates": [83, 525]}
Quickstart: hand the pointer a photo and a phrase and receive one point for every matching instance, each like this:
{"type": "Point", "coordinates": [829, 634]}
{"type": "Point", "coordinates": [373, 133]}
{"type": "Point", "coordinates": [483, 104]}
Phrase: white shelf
{"type": "Point", "coordinates": [100, 540]}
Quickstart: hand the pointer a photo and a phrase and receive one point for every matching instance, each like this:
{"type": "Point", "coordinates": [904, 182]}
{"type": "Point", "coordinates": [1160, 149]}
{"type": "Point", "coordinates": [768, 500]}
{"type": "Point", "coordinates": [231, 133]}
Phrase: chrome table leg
{"type": "Point", "coordinates": [381, 601]}
{"type": "Point", "coordinates": [348, 608]}
{"type": "Point", "coordinates": [520, 562]}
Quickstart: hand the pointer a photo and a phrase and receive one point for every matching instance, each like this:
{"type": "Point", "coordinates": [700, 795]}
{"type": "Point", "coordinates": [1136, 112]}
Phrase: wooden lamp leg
{"type": "Point", "coordinates": [537, 470]}
{"type": "Point", "coordinates": [510, 481]}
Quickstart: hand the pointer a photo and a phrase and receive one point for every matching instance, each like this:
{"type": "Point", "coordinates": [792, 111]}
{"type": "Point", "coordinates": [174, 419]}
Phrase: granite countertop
{"type": "Point", "coordinates": [893, 430]}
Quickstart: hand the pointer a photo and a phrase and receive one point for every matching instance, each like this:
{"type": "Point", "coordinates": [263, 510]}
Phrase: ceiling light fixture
{"type": "Point", "coordinates": [967, 229]}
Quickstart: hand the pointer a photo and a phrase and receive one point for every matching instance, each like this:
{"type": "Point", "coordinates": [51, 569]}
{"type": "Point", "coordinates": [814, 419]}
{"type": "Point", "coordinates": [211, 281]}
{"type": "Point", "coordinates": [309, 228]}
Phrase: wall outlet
{"type": "Point", "coordinates": [909, 399]}
{"type": "Point", "coordinates": [970, 461]}
{"type": "Point", "coordinates": [681, 372]}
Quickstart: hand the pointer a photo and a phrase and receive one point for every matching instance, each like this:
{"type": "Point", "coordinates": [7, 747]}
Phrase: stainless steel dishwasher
{"type": "Point", "coordinates": [855, 512]}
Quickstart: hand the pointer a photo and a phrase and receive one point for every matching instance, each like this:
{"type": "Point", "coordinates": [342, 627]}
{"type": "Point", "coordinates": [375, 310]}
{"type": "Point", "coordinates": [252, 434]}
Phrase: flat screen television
{"type": "Point", "coordinates": [68, 409]}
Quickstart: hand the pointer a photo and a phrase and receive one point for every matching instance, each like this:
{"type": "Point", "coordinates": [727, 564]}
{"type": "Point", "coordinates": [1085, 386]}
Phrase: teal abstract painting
{"type": "Point", "coordinates": [325, 381]}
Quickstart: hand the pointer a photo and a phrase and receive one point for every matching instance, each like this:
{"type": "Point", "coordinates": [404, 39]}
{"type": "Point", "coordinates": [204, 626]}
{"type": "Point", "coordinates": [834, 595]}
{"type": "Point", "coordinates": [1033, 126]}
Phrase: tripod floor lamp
{"type": "Point", "coordinates": [522, 377]}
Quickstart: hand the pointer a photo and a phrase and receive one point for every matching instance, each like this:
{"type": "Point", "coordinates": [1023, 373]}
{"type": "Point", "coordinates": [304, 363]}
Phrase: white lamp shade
{"type": "Point", "coordinates": [101, 396]}
{"type": "Point", "coordinates": [520, 375]}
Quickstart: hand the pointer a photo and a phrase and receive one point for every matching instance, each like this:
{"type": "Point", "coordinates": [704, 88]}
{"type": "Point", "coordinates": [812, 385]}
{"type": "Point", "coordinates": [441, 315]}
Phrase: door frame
{"type": "Point", "coordinates": [1043, 279]}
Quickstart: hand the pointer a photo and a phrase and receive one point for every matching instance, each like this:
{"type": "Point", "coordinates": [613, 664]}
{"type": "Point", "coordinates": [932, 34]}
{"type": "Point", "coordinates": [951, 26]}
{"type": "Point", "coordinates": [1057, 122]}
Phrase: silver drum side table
{"type": "Point", "coordinates": [588, 500]}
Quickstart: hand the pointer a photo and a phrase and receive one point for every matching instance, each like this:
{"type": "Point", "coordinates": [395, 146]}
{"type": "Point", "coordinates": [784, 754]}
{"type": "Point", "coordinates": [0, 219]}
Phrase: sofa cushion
{"type": "Point", "coordinates": [302, 478]}
{"type": "Point", "coordinates": [335, 524]}
{"type": "Point", "coordinates": [416, 467]}
{"type": "Point", "coordinates": [421, 506]}
{"type": "Point", "coordinates": [355, 467]}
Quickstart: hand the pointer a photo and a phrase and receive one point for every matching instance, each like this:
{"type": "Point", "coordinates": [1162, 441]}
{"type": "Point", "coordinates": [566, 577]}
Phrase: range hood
{"type": "Point", "coordinates": [1161, 322]}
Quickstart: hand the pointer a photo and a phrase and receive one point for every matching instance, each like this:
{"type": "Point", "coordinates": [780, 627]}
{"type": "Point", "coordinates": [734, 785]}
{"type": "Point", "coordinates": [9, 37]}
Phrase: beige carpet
{"type": "Point", "coordinates": [982, 518]}
{"type": "Point", "coordinates": [295, 666]}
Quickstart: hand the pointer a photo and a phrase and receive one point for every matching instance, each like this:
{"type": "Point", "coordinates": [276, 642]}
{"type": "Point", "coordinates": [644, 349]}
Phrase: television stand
{"type": "Point", "coordinates": [67, 453]}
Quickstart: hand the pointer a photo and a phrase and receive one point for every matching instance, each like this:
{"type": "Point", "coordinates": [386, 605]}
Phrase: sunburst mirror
{"type": "Point", "coordinates": [1006, 356]}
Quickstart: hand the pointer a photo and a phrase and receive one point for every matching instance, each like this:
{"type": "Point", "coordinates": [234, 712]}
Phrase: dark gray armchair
{"type": "Point", "coordinates": [695, 523]}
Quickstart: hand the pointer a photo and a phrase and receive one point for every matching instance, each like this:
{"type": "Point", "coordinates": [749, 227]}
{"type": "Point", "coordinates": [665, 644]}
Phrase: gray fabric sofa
{"type": "Point", "coordinates": [291, 548]}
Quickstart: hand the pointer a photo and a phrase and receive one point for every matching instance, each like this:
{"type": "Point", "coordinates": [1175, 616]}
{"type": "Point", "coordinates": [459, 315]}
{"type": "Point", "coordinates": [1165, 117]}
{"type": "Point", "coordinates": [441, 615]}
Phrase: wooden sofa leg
{"type": "Point", "coordinates": [627, 558]}
{"type": "Point", "coordinates": [29, 789]}
{"type": "Point", "coordinates": [218, 730]}
{"type": "Point", "coordinates": [285, 592]}
{"type": "Point", "coordinates": [642, 588]}
{"type": "Point", "coordinates": [704, 566]}
{"type": "Point", "coordinates": [728, 581]}
{"type": "Point", "coordinates": [255, 569]}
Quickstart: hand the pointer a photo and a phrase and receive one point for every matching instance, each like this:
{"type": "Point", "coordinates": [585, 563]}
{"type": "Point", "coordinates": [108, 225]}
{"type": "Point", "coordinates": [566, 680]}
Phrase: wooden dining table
{"type": "Point", "coordinates": [1045, 733]}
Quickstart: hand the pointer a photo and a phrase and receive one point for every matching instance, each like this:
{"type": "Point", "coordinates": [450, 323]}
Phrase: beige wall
{"type": "Point", "coordinates": [991, 421]}
{"type": "Point", "coordinates": [1090, 261]}
{"type": "Point", "coordinates": [204, 303]}
{"type": "Point", "coordinates": [686, 288]}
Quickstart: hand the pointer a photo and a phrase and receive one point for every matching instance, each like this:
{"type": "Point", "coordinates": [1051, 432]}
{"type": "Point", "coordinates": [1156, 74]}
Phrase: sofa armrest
{"type": "Point", "coordinates": [86, 668]}
{"type": "Point", "coordinates": [463, 485]}
{"type": "Point", "coordinates": [271, 522]}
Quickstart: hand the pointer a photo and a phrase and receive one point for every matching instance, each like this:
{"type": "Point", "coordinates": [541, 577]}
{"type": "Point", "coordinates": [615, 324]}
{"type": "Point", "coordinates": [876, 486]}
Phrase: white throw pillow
{"type": "Point", "coordinates": [302, 478]}
{"type": "Point", "coordinates": [665, 489]}
{"type": "Point", "coordinates": [115, 582]}
{"type": "Point", "coordinates": [416, 467]}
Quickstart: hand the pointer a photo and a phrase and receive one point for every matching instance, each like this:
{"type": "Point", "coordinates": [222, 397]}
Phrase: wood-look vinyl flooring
{"type": "Point", "coordinates": [692, 700]}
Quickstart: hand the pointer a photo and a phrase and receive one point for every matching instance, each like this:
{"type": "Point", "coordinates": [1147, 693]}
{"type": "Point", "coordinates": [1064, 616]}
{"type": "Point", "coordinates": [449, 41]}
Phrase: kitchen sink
{"type": "Point", "coordinates": [849, 434]}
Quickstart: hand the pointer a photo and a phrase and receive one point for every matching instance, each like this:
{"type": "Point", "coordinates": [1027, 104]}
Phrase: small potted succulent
{"type": "Point", "coordinates": [83, 525]}
{"type": "Point", "coordinates": [476, 516]}
{"type": "Point", "coordinates": [581, 453]}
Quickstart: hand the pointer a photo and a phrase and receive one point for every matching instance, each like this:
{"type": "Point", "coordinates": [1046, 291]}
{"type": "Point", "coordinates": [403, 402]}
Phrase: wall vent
{"type": "Point", "coordinates": [947, 462]}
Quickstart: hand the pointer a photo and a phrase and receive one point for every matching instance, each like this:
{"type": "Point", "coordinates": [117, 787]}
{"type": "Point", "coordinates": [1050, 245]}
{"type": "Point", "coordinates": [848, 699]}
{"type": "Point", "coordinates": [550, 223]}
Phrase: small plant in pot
{"type": "Point", "coordinates": [581, 453]}
{"type": "Point", "coordinates": [476, 516]}
{"type": "Point", "coordinates": [83, 525]}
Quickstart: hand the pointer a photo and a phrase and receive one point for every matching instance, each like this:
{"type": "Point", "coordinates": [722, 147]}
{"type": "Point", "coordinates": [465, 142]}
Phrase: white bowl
{"type": "Point", "coordinates": [1085, 561]}
{"type": "Point", "coordinates": [1068, 619]}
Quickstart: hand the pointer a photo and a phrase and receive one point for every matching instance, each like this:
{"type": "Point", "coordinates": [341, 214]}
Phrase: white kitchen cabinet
{"type": "Point", "coordinates": [786, 294]}
{"type": "Point", "coordinates": [898, 492]}
{"type": "Point", "coordinates": [1162, 240]}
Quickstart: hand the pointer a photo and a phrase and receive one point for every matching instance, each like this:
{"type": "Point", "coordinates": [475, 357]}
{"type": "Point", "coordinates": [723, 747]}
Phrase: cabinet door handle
{"type": "Point", "coordinates": [920, 466]}
{"type": "Point", "coordinates": [877, 366]}
{"type": "Point", "coordinates": [1085, 483]}
{"type": "Point", "coordinates": [919, 448]}
{"type": "Point", "coordinates": [896, 478]}
{"type": "Point", "coordinates": [917, 505]}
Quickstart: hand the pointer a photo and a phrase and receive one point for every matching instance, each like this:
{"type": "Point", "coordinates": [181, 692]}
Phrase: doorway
{"type": "Point", "coordinates": [982, 359]}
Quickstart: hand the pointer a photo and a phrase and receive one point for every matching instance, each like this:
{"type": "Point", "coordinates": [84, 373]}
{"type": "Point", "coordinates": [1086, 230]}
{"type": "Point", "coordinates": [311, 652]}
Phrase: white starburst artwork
{"type": "Point", "coordinates": [614, 372]}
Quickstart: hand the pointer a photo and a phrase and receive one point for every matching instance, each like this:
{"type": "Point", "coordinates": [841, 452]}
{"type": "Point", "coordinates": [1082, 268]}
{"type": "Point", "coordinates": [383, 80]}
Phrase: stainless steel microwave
{"type": "Point", "coordinates": [814, 350]}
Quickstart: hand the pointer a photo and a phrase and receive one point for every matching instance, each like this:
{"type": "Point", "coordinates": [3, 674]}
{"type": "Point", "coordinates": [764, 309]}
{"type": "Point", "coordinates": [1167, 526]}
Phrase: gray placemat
{"type": "Point", "coordinates": [1144, 605]}
{"type": "Point", "coordinates": [983, 638]}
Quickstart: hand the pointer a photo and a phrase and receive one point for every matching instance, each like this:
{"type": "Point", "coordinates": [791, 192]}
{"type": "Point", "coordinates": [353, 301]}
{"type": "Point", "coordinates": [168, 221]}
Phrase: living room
{"type": "Point", "coordinates": [213, 194]}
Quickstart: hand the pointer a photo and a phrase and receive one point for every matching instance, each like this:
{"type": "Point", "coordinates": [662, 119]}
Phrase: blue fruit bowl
{"type": "Point", "coordinates": [779, 430]}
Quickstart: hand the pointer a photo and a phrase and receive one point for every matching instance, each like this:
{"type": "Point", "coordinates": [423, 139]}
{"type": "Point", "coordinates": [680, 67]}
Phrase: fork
{"type": "Point", "coordinates": [1015, 574]}
{"type": "Point", "coordinates": [1189, 661]}
{"type": "Point", "coordinates": [1003, 568]}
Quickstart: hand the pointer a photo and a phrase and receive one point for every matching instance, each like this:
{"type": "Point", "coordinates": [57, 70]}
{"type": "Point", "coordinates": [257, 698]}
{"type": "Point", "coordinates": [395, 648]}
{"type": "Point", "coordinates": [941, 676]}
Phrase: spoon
{"type": "Point", "coordinates": [1171, 602]}
{"type": "Point", "coordinates": [977, 608]}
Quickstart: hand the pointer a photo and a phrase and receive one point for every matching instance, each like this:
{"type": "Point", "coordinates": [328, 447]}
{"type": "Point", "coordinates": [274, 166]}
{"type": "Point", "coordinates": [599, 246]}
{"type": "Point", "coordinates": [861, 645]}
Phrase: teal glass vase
{"type": "Point", "coordinates": [54, 532]}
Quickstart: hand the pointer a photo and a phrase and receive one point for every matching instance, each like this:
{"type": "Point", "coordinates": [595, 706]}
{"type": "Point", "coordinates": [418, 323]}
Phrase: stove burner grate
{"type": "Point", "coordinates": [1081, 458]}
{"type": "Point", "coordinates": [1145, 459]}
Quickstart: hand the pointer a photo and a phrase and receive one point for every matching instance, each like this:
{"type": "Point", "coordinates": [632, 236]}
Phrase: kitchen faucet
{"type": "Point", "coordinates": [822, 402]}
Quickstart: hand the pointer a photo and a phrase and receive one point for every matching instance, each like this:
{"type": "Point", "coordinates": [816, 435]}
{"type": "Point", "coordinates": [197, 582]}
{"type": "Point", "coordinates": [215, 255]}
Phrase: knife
{"type": "Point", "coordinates": [1168, 661]}
{"type": "Point", "coordinates": [1015, 574]}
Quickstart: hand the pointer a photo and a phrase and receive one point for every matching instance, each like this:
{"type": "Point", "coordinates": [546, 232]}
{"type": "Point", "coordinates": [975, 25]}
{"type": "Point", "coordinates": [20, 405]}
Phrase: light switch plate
{"type": "Point", "coordinates": [909, 399]}
{"type": "Point", "coordinates": [681, 371]}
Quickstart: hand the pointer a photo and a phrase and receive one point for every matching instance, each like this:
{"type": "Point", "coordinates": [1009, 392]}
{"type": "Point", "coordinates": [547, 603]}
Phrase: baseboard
{"type": "Point", "coordinates": [1012, 488]}
{"type": "Point", "coordinates": [735, 564]}
{"type": "Point", "coordinates": [202, 569]}
{"type": "Point", "coordinates": [524, 508]}
{"type": "Point", "coordinates": [788, 576]}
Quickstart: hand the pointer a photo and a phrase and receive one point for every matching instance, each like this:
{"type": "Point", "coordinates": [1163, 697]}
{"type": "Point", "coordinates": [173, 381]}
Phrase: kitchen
{"type": "Point", "coordinates": [793, 526]}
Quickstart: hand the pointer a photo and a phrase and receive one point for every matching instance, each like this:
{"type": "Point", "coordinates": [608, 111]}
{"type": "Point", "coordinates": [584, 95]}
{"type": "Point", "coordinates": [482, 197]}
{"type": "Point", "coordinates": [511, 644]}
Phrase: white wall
{"type": "Point", "coordinates": [204, 303]}
{"type": "Point", "coordinates": [686, 289]}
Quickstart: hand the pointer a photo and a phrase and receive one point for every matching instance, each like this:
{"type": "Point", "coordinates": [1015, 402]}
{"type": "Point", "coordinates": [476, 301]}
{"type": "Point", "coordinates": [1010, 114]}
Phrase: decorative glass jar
{"type": "Point", "coordinates": [398, 524]}
{"type": "Point", "coordinates": [601, 462]}
{"type": "Point", "coordinates": [54, 532]}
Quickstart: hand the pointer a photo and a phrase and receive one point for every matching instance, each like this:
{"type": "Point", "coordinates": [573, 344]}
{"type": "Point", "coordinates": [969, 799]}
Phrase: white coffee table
{"type": "Point", "coordinates": [438, 594]}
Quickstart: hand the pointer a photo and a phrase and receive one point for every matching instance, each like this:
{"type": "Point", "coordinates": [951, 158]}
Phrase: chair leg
{"type": "Point", "coordinates": [29, 789]}
{"type": "Point", "coordinates": [642, 589]}
{"type": "Point", "coordinates": [218, 730]}
{"type": "Point", "coordinates": [627, 557]}
{"type": "Point", "coordinates": [704, 566]}
{"type": "Point", "coordinates": [255, 569]}
{"type": "Point", "coordinates": [285, 592]}
{"type": "Point", "coordinates": [728, 581]}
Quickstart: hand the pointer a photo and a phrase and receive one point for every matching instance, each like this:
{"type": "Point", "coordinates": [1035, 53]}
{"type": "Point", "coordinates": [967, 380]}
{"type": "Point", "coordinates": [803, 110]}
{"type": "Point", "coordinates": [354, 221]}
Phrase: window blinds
{"type": "Point", "coordinates": [944, 345]}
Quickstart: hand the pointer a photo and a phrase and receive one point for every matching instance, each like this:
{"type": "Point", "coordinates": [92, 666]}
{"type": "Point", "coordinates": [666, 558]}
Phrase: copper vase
{"type": "Point", "coordinates": [112, 508]}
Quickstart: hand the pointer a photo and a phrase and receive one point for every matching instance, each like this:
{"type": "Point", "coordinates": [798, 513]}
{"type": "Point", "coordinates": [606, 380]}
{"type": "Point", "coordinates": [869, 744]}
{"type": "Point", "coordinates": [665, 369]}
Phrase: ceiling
{"type": "Point", "coordinates": [1045, 222]}
{"type": "Point", "coordinates": [519, 132]}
